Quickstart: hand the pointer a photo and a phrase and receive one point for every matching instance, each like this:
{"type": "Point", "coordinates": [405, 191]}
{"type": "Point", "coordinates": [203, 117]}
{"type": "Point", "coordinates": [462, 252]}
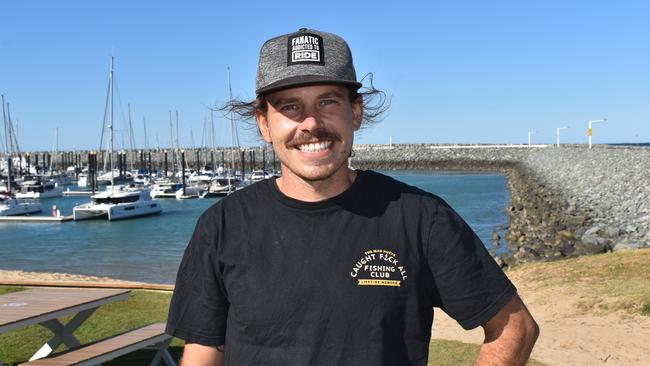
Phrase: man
{"type": "Point", "coordinates": [327, 265]}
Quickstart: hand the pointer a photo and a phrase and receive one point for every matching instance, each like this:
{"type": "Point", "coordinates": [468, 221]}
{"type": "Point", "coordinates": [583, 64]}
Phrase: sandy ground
{"type": "Point", "coordinates": [65, 279]}
{"type": "Point", "coordinates": [568, 337]}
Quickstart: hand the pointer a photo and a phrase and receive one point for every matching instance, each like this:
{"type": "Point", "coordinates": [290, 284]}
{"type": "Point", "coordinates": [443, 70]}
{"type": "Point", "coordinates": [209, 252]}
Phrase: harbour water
{"type": "Point", "coordinates": [150, 248]}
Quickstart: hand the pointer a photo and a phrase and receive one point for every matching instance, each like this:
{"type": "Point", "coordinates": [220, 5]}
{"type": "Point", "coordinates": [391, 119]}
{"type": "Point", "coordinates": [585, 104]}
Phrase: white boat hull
{"type": "Point", "coordinates": [156, 195]}
{"type": "Point", "coordinates": [190, 192]}
{"type": "Point", "coordinates": [83, 181]}
{"type": "Point", "coordinates": [86, 212]}
{"type": "Point", "coordinates": [116, 211]}
{"type": "Point", "coordinates": [120, 202]}
{"type": "Point", "coordinates": [17, 209]}
{"type": "Point", "coordinates": [56, 192]}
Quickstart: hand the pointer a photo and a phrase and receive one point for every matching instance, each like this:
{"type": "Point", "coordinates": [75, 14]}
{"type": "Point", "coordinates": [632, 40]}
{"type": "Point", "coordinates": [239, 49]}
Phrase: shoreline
{"type": "Point", "coordinates": [57, 279]}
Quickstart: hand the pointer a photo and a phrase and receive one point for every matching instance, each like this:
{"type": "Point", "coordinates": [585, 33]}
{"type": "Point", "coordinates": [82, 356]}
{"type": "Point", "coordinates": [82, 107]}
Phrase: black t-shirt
{"type": "Point", "coordinates": [347, 281]}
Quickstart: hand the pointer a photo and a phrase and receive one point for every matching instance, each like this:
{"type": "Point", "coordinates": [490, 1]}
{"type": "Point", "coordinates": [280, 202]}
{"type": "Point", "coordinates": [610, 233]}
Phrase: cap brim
{"type": "Point", "coordinates": [306, 80]}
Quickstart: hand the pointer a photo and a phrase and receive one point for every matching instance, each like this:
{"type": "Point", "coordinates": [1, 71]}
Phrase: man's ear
{"type": "Point", "coordinates": [263, 125]}
{"type": "Point", "coordinates": [357, 112]}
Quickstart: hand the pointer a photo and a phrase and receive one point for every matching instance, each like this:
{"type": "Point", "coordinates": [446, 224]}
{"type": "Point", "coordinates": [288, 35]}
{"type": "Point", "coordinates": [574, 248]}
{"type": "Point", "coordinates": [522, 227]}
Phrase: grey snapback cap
{"type": "Point", "coordinates": [306, 57]}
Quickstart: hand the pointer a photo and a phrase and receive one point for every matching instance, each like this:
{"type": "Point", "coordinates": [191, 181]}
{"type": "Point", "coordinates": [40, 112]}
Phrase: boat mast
{"type": "Point", "coordinates": [178, 146]}
{"type": "Point", "coordinates": [55, 151]}
{"type": "Point", "coordinates": [146, 139]}
{"type": "Point", "coordinates": [232, 130]}
{"type": "Point", "coordinates": [131, 154]}
{"type": "Point", "coordinates": [4, 119]}
{"type": "Point", "coordinates": [110, 126]}
{"type": "Point", "coordinates": [171, 138]}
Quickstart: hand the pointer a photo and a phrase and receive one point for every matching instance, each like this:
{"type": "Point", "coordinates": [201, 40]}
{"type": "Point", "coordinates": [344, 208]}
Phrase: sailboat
{"type": "Point", "coordinates": [225, 185]}
{"type": "Point", "coordinates": [117, 202]}
{"type": "Point", "coordinates": [11, 207]}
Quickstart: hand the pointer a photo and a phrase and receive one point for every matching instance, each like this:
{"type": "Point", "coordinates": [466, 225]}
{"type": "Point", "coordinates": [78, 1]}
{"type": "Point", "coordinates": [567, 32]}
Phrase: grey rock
{"type": "Point", "coordinates": [630, 228]}
{"type": "Point", "coordinates": [627, 246]}
{"type": "Point", "coordinates": [611, 231]}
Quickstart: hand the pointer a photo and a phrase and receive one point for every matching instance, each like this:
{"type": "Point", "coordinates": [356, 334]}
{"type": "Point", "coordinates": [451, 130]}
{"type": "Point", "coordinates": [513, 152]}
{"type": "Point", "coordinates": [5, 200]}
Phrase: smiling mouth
{"type": "Point", "coordinates": [313, 147]}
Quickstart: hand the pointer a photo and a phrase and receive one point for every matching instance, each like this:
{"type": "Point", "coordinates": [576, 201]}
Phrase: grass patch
{"type": "Point", "coordinates": [609, 282]}
{"type": "Point", "coordinates": [452, 353]}
{"type": "Point", "coordinates": [145, 307]}
{"type": "Point", "coordinates": [645, 309]}
{"type": "Point", "coordinates": [8, 289]}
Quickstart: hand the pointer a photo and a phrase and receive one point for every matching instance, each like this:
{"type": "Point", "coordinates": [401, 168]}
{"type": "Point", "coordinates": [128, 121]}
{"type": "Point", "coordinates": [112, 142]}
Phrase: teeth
{"type": "Point", "coordinates": [315, 146]}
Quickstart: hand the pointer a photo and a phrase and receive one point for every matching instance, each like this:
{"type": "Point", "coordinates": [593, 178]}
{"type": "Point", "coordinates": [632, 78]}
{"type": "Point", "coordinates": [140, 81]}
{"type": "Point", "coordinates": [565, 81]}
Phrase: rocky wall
{"type": "Point", "coordinates": [564, 202]}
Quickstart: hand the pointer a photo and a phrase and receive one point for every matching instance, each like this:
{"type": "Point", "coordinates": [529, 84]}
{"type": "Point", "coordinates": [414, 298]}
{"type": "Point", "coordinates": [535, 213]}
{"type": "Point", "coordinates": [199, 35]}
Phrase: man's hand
{"type": "Point", "coordinates": [198, 355]}
{"type": "Point", "coordinates": [509, 336]}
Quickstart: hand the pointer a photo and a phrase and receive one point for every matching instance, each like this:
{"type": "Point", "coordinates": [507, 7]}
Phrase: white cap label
{"type": "Point", "coordinates": [305, 48]}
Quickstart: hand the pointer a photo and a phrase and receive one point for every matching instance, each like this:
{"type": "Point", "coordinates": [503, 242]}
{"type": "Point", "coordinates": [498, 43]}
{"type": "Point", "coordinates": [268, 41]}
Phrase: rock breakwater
{"type": "Point", "coordinates": [565, 201]}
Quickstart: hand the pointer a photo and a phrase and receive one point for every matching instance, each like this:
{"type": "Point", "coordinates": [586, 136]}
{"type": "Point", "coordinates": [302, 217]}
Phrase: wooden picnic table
{"type": "Point", "coordinates": [44, 306]}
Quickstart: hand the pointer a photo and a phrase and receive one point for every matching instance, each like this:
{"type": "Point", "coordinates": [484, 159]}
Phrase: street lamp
{"type": "Point", "coordinates": [557, 132]}
{"type": "Point", "coordinates": [589, 132]}
{"type": "Point", "coordinates": [530, 134]}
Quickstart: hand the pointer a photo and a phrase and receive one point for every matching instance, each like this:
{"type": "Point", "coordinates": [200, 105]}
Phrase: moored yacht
{"type": "Point", "coordinates": [165, 189]}
{"type": "Point", "coordinates": [119, 202]}
{"type": "Point", "coordinates": [187, 192]}
{"type": "Point", "coordinates": [114, 177]}
{"type": "Point", "coordinates": [11, 207]}
{"type": "Point", "coordinates": [38, 188]}
{"type": "Point", "coordinates": [223, 186]}
{"type": "Point", "coordinates": [259, 174]}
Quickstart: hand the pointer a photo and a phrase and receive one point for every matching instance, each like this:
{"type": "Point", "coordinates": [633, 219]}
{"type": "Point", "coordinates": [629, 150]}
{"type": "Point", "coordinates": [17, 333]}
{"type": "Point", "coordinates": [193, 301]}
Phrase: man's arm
{"type": "Point", "coordinates": [509, 336]}
{"type": "Point", "coordinates": [199, 355]}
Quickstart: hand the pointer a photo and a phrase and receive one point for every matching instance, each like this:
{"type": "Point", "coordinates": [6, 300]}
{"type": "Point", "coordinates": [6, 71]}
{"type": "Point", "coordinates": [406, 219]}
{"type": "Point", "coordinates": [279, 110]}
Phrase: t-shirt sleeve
{"type": "Point", "coordinates": [471, 287]}
{"type": "Point", "coordinates": [199, 305]}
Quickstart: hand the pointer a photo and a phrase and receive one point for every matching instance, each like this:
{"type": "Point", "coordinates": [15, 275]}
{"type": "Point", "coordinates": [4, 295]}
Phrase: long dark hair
{"type": "Point", "coordinates": [375, 104]}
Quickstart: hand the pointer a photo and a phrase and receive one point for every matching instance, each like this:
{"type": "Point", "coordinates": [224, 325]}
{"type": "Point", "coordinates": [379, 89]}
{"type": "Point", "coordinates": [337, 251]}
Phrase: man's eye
{"type": "Point", "coordinates": [289, 108]}
{"type": "Point", "coordinates": [328, 101]}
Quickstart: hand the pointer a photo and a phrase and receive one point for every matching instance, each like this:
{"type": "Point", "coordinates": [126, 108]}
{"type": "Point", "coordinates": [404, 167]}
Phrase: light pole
{"type": "Point", "coordinates": [589, 132]}
{"type": "Point", "coordinates": [557, 131]}
{"type": "Point", "coordinates": [530, 135]}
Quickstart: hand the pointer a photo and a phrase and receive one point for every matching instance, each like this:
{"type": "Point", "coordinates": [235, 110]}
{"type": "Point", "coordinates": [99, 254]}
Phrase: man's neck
{"type": "Point", "coordinates": [315, 191]}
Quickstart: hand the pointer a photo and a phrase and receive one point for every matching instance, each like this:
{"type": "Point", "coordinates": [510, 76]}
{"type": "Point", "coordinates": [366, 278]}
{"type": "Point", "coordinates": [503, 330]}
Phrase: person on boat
{"type": "Point", "coordinates": [327, 265]}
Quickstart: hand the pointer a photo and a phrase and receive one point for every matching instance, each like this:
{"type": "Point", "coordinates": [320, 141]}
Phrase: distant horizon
{"type": "Point", "coordinates": [207, 148]}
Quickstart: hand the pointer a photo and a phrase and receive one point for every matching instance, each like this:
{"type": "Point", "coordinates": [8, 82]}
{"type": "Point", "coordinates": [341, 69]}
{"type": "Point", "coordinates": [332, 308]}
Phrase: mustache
{"type": "Point", "coordinates": [319, 134]}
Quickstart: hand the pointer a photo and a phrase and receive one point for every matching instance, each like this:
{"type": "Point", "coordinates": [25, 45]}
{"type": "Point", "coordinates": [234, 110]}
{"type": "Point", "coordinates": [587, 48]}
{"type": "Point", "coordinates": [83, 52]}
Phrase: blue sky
{"type": "Point", "coordinates": [457, 71]}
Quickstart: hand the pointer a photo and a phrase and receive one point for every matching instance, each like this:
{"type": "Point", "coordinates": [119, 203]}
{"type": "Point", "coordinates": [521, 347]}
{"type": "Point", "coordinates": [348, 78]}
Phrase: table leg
{"type": "Point", "coordinates": [62, 333]}
{"type": "Point", "coordinates": [163, 352]}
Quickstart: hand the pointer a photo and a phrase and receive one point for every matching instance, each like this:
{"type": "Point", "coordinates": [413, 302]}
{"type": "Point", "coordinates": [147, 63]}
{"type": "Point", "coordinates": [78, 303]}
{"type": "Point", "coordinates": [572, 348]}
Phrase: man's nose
{"type": "Point", "coordinates": [310, 120]}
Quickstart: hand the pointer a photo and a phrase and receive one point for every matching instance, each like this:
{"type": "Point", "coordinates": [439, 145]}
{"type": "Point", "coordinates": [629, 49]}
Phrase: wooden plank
{"type": "Point", "coordinates": [107, 349]}
{"type": "Point", "coordinates": [32, 306]}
